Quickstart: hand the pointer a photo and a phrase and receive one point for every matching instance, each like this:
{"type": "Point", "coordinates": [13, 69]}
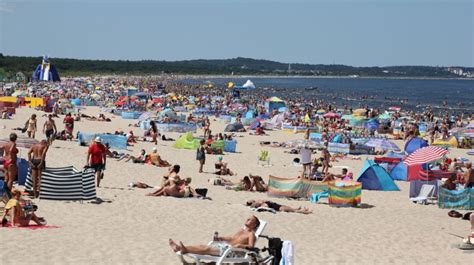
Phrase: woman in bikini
{"type": "Point", "coordinates": [31, 126]}
{"type": "Point", "coordinates": [9, 164]}
{"type": "Point", "coordinates": [153, 132]}
{"type": "Point", "coordinates": [277, 207]}
{"type": "Point", "coordinates": [18, 216]}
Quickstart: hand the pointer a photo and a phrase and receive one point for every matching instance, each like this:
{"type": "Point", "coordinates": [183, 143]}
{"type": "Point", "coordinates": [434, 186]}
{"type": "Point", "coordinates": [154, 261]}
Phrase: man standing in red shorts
{"type": "Point", "coordinates": [96, 158]}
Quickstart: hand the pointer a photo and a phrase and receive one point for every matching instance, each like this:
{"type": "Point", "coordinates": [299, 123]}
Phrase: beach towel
{"type": "Point", "coordinates": [264, 209]}
{"type": "Point", "coordinates": [287, 253]}
{"type": "Point", "coordinates": [31, 227]}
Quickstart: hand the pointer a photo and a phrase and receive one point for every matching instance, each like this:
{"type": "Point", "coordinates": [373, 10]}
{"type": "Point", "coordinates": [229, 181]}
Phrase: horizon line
{"type": "Point", "coordinates": [215, 59]}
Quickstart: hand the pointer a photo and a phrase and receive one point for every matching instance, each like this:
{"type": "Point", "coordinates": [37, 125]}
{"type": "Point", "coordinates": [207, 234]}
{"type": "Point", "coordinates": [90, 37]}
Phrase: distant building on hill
{"type": "Point", "coordinates": [456, 70]}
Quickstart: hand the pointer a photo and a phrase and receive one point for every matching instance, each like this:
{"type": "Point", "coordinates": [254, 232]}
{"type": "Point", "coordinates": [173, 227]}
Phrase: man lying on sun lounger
{"type": "Point", "coordinates": [244, 238]}
{"type": "Point", "coordinates": [277, 207]}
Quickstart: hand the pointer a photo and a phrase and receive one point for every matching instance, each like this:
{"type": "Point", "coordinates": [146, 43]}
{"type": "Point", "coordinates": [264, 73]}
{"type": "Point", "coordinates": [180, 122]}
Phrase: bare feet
{"type": "Point", "coordinates": [182, 248]}
{"type": "Point", "coordinates": [173, 245]}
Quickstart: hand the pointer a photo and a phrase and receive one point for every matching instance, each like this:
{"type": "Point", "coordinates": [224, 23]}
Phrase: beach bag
{"type": "Point", "coordinates": [200, 155]}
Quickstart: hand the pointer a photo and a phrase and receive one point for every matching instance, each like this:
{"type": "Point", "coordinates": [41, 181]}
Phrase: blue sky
{"type": "Point", "coordinates": [359, 33]}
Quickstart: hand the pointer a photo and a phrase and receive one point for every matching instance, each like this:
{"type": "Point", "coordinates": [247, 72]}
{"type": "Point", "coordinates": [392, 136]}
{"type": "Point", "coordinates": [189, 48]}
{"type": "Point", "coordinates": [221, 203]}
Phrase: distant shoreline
{"type": "Point", "coordinates": [316, 77]}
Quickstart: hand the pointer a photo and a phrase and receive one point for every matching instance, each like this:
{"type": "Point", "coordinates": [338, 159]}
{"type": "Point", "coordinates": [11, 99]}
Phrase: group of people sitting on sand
{"type": "Point", "coordinates": [247, 183]}
{"type": "Point", "coordinates": [172, 185]}
{"type": "Point", "coordinates": [144, 158]}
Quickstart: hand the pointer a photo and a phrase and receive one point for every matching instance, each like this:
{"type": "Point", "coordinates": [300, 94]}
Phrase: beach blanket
{"type": "Point", "coordinates": [294, 187]}
{"type": "Point", "coordinates": [456, 199]}
{"type": "Point", "coordinates": [345, 193]}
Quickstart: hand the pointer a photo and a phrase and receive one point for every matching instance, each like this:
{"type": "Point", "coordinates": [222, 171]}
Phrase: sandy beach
{"type": "Point", "coordinates": [130, 228]}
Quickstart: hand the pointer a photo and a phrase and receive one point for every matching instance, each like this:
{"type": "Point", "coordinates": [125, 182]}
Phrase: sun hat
{"type": "Point", "coordinates": [98, 140]}
{"type": "Point", "coordinates": [155, 150]}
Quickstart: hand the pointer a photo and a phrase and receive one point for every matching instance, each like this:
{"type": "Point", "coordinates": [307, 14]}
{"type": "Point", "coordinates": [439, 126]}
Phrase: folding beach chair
{"type": "Point", "coordinates": [426, 193]}
{"type": "Point", "coordinates": [229, 256]}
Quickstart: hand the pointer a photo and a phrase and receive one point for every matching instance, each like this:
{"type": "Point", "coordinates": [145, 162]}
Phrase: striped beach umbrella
{"type": "Point", "coordinates": [425, 155]}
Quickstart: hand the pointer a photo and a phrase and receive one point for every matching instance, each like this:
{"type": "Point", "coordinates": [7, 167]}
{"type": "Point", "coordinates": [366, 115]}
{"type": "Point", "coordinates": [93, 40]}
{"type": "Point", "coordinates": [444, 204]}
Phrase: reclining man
{"type": "Point", "coordinates": [244, 238]}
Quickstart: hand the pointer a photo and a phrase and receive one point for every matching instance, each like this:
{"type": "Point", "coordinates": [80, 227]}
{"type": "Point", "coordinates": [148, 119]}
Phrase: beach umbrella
{"type": "Point", "coordinates": [22, 142]}
{"type": "Point", "coordinates": [20, 93]}
{"type": "Point", "coordinates": [383, 144]}
{"type": "Point", "coordinates": [372, 125]}
{"type": "Point", "coordinates": [303, 143]}
{"type": "Point", "coordinates": [347, 117]}
{"type": "Point", "coordinates": [76, 102]}
{"type": "Point", "coordinates": [95, 96]}
{"type": "Point", "coordinates": [145, 116]}
{"type": "Point", "coordinates": [394, 108]}
{"type": "Point", "coordinates": [425, 155]}
{"type": "Point", "coordinates": [359, 112]}
{"type": "Point", "coordinates": [332, 115]}
{"type": "Point", "coordinates": [320, 111]}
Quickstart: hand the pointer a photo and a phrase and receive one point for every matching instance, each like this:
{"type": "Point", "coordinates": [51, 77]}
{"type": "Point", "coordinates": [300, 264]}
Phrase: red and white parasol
{"type": "Point", "coordinates": [425, 155]}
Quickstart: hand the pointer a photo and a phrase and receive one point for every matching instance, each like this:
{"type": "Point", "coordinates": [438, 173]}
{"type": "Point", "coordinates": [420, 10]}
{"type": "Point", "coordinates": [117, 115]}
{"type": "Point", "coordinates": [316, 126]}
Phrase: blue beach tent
{"type": "Point", "coordinates": [415, 144]}
{"type": "Point", "coordinates": [400, 172]}
{"type": "Point", "coordinates": [374, 177]}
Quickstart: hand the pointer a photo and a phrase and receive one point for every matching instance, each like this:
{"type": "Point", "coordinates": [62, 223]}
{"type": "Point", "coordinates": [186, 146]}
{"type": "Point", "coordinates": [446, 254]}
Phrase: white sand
{"type": "Point", "coordinates": [129, 228]}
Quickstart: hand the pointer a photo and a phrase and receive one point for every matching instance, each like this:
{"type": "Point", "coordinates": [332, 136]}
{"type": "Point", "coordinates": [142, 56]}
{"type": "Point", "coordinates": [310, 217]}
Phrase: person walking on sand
{"type": "Point", "coordinates": [49, 129]}
{"type": "Point", "coordinates": [96, 157]}
{"type": "Point", "coordinates": [201, 154]}
{"type": "Point", "coordinates": [37, 160]}
{"type": "Point", "coordinates": [31, 126]}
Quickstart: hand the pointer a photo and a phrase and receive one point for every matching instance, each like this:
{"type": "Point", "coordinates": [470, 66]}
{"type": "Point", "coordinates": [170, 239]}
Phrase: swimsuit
{"type": "Point", "coordinates": [222, 246]}
{"type": "Point", "coordinates": [36, 164]}
{"type": "Point", "coordinates": [49, 133]}
{"type": "Point", "coordinates": [273, 205]}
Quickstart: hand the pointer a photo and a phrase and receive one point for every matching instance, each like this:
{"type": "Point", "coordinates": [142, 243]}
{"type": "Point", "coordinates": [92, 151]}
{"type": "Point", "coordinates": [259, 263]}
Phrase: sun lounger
{"type": "Point", "coordinates": [228, 256]}
{"type": "Point", "coordinates": [425, 194]}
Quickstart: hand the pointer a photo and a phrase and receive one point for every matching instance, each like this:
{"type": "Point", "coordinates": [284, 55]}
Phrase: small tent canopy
{"type": "Point", "coordinates": [187, 141]}
{"type": "Point", "coordinates": [400, 172]}
{"type": "Point", "coordinates": [415, 144]}
{"type": "Point", "coordinates": [274, 103]}
{"type": "Point", "coordinates": [374, 177]}
{"type": "Point", "coordinates": [249, 85]}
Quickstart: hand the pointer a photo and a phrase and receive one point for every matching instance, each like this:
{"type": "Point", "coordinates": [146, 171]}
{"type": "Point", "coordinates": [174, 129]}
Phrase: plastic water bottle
{"type": "Point", "coordinates": [216, 236]}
